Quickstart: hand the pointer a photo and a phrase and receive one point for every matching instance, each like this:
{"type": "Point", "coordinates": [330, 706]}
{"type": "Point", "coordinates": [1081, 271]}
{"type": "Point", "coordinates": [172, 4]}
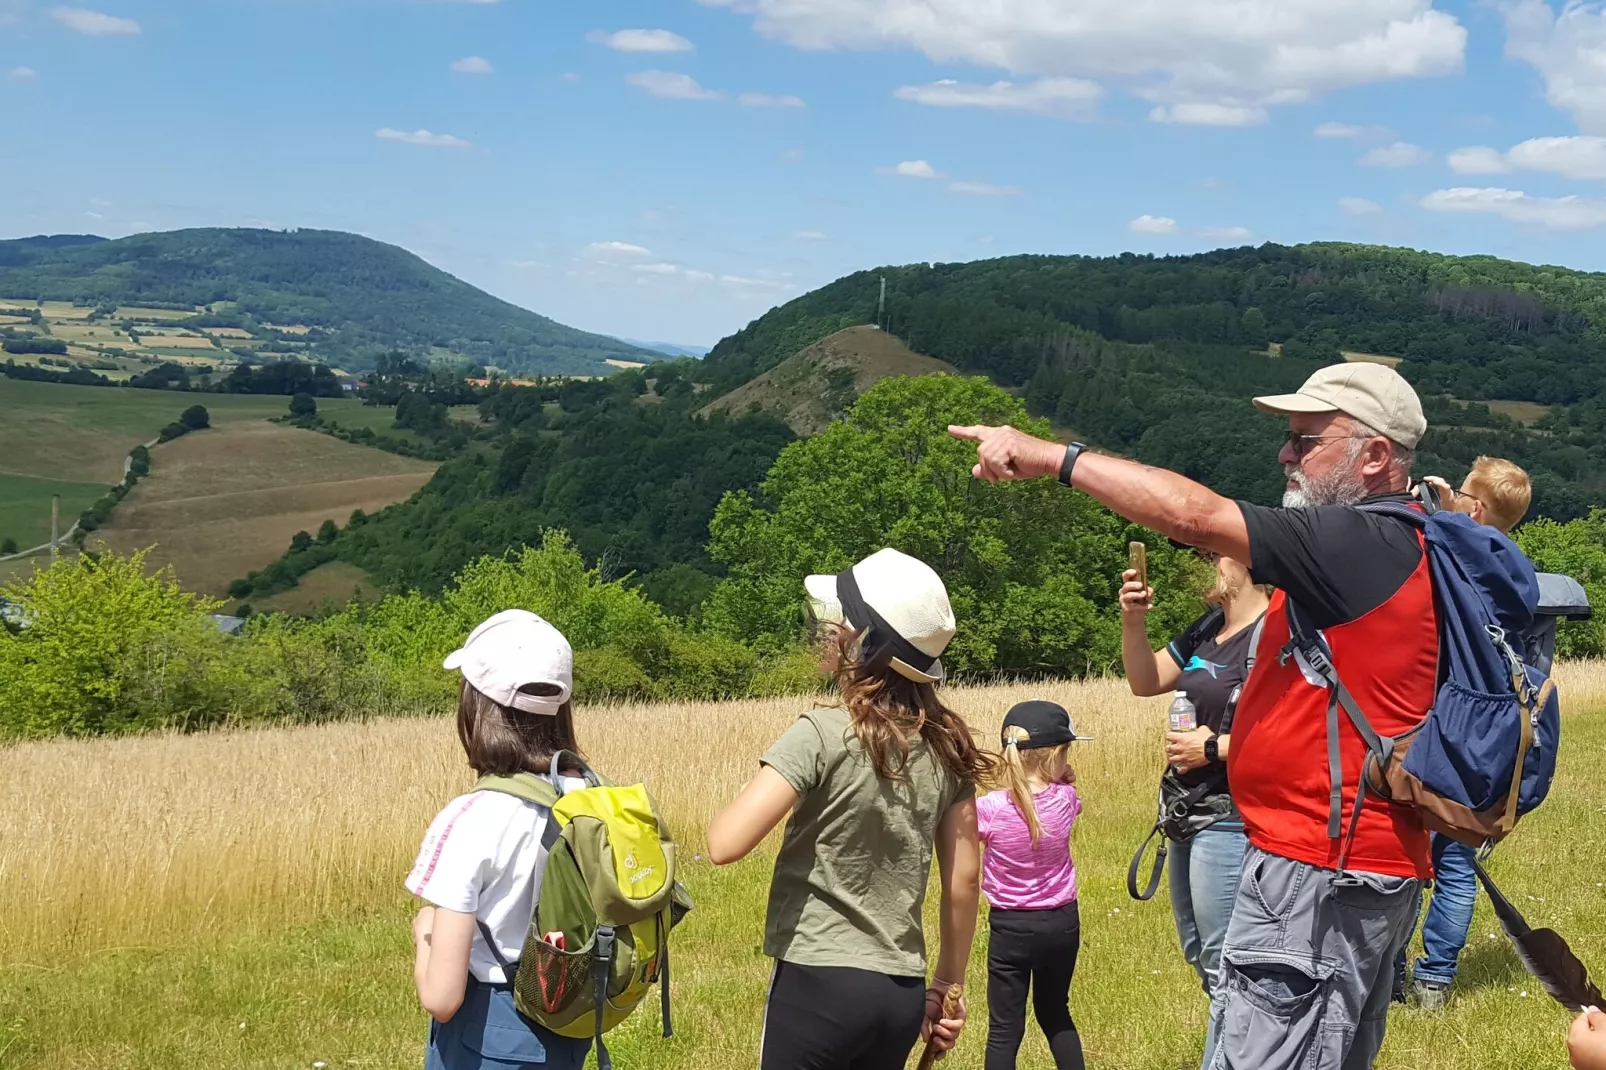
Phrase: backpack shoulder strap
{"type": "Point", "coordinates": [527, 786]}
{"type": "Point", "coordinates": [1417, 518]}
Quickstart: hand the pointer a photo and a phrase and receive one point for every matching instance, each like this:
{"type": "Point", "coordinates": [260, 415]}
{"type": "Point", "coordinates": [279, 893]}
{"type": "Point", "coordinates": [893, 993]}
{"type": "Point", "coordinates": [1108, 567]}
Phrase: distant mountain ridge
{"type": "Point", "coordinates": [671, 349]}
{"type": "Point", "coordinates": [364, 296]}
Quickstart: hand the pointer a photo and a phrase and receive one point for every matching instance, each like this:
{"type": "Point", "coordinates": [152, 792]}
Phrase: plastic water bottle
{"type": "Point", "coordinates": [1184, 716]}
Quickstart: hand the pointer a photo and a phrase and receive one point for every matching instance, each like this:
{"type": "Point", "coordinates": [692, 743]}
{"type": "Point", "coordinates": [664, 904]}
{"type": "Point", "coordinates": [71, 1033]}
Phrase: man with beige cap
{"type": "Point", "coordinates": [1323, 905]}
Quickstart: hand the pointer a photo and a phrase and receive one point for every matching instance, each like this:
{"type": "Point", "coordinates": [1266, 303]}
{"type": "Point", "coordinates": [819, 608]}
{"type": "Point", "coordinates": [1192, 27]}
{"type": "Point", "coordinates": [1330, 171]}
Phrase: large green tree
{"type": "Point", "coordinates": [1032, 569]}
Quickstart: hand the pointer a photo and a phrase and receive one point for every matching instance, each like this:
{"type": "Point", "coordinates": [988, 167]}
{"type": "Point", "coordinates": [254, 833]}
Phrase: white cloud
{"type": "Point", "coordinates": [793, 156]}
{"type": "Point", "coordinates": [810, 235]}
{"type": "Point", "coordinates": [94, 215]}
{"type": "Point", "coordinates": [1236, 234]}
{"type": "Point", "coordinates": [1338, 130]}
{"type": "Point", "coordinates": [1152, 224]}
{"type": "Point", "coordinates": [657, 269]}
{"type": "Point", "coordinates": [94, 23]}
{"type": "Point", "coordinates": [671, 85]}
{"type": "Point", "coordinates": [1398, 154]}
{"type": "Point", "coordinates": [1358, 206]}
{"type": "Point", "coordinates": [910, 169]}
{"type": "Point", "coordinates": [1204, 114]}
{"type": "Point", "coordinates": [641, 41]}
{"type": "Point", "coordinates": [1554, 213]}
{"type": "Point", "coordinates": [1581, 157]}
{"type": "Point", "coordinates": [1477, 160]}
{"type": "Point", "coordinates": [622, 248]}
{"type": "Point", "coordinates": [765, 100]}
{"type": "Point", "coordinates": [472, 65]}
{"type": "Point", "coordinates": [422, 137]}
{"type": "Point", "coordinates": [22, 74]}
{"type": "Point", "coordinates": [1238, 56]}
{"type": "Point", "coordinates": [983, 189]}
{"type": "Point", "coordinates": [1569, 51]}
{"type": "Point", "coordinates": [1059, 98]}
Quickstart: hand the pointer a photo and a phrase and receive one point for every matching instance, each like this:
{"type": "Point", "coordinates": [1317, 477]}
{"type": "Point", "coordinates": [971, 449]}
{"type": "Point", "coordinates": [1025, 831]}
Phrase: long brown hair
{"type": "Point", "coordinates": [887, 708]}
{"type": "Point", "coordinates": [501, 741]}
{"type": "Point", "coordinates": [1049, 764]}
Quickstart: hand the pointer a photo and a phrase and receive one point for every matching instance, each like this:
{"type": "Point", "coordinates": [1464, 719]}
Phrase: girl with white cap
{"type": "Point", "coordinates": [874, 787]}
{"type": "Point", "coordinates": [479, 870]}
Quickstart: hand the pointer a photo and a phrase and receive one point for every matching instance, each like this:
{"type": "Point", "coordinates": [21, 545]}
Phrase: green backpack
{"type": "Point", "coordinates": [609, 887]}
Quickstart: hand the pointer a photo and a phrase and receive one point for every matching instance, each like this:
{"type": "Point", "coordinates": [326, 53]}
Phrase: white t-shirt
{"type": "Point", "coordinates": [483, 856]}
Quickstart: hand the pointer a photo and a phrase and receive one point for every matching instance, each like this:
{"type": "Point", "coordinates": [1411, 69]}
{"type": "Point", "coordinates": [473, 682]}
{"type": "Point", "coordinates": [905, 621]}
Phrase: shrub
{"type": "Point", "coordinates": [195, 418]}
{"type": "Point", "coordinates": [8, 546]}
{"type": "Point", "coordinates": [300, 541]}
{"type": "Point", "coordinates": [172, 431]}
{"type": "Point", "coordinates": [302, 406]}
{"type": "Point", "coordinates": [601, 675]}
{"type": "Point", "coordinates": [328, 531]}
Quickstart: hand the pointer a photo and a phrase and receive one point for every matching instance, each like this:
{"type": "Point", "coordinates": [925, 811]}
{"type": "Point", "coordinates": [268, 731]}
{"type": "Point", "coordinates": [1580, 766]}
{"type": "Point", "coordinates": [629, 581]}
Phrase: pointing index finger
{"type": "Point", "coordinates": [970, 434]}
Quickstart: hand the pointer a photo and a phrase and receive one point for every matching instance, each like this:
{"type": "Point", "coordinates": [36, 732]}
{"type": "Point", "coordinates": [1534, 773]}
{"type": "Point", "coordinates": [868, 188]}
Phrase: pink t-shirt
{"type": "Point", "coordinates": [1014, 874]}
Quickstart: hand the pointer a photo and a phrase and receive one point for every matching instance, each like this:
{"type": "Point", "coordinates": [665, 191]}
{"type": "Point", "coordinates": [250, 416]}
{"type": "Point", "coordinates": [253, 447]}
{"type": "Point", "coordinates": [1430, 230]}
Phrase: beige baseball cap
{"type": "Point", "coordinates": [1375, 394]}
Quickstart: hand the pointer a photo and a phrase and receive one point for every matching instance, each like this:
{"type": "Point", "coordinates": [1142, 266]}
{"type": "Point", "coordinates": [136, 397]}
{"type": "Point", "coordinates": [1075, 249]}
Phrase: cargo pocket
{"type": "Point", "coordinates": [487, 1032]}
{"type": "Point", "coordinates": [1273, 1013]}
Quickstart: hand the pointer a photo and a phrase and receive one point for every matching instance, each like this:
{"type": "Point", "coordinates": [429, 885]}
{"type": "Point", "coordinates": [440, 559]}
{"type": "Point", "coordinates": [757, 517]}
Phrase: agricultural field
{"type": "Point", "coordinates": [335, 583]}
{"type": "Point", "coordinates": [235, 899]}
{"type": "Point", "coordinates": [224, 502]}
{"type": "Point", "coordinates": [74, 440]}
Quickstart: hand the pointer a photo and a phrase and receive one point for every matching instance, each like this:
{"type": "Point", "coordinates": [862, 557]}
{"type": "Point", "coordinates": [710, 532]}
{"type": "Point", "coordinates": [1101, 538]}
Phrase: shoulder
{"type": "Point", "coordinates": [1196, 635]}
{"type": "Point", "coordinates": [480, 810]}
{"type": "Point", "coordinates": [992, 802]}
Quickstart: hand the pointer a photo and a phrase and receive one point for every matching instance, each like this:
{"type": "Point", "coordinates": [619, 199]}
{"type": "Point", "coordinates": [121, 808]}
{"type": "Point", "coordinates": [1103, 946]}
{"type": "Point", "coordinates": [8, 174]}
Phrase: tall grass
{"type": "Point", "coordinates": [195, 866]}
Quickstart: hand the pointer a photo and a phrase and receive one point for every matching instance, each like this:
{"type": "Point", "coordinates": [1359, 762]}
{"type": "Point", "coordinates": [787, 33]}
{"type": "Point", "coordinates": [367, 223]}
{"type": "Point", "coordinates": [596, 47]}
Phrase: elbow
{"type": "Point", "coordinates": [723, 850]}
{"type": "Point", "coordinates": [441, 1007]}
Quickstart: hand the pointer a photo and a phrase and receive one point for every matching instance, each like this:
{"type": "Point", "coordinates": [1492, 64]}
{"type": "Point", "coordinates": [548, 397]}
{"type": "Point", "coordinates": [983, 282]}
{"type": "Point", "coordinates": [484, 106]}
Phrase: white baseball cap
{"type": "Point", "coordinates": [902, 602]}
{"type": "Point", "coordinates": [1375, 394]}
{"type": "Point", "coordinates": [513, 650]}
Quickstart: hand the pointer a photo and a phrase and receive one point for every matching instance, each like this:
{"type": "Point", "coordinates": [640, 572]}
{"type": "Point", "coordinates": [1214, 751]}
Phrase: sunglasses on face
{"type": "Point", "coordinates": [1304, 444]}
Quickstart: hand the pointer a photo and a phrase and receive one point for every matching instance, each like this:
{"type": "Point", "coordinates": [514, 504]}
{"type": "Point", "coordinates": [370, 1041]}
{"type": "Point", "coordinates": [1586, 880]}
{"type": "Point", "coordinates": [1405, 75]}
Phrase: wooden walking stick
{"type": "Point", "coordinates": [950, 1007]}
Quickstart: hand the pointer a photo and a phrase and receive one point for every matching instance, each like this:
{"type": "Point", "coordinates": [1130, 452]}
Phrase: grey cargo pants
{"type": "Point", "coordinates": [1308, 965]}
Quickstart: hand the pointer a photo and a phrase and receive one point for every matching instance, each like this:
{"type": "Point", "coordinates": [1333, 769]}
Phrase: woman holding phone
{"type": "Point", "coordinates": [1208, 662]}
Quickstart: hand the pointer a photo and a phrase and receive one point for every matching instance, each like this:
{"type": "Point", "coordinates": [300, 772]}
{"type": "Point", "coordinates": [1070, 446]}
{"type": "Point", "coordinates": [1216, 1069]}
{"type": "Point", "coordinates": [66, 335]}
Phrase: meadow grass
{"type": "Point", "coordinates": [25, 506]}
{"type": "Point", "coordinates": [234, 899]}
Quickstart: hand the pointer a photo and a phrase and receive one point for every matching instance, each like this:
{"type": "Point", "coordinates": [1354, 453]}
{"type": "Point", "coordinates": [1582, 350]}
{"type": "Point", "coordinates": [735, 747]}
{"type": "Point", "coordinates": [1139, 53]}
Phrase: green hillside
{"type": "Point", "coordinates": [359, 297]}
{"type": "Point", "coordinates": [1157, 357]}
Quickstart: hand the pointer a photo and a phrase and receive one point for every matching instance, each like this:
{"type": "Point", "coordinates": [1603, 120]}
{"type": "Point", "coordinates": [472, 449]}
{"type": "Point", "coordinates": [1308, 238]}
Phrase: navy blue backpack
{"type": "Point", "coordinates": [1485, 754]}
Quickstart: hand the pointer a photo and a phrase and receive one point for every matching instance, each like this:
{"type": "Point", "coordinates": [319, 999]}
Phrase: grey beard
{"type": "Point", "coordinates": [1341, 486]}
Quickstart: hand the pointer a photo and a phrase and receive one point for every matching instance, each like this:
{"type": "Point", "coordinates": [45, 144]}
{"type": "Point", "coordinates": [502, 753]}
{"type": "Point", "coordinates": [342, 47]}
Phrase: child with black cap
{"type": "Point", "coordinates": [1030, 883]}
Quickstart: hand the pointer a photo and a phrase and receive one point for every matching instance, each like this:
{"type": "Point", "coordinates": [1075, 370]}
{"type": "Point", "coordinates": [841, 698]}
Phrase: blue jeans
{"type": "Point", "coordinates": [487, 1033]}
{"type": "Point", "coordinates": [1204, 884]}
{"type": "Point", "coordinates": [1449, 916]}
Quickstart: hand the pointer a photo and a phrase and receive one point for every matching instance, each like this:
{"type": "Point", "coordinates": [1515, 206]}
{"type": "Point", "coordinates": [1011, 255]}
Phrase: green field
{"type": "Point", "coordinates": [25, 506]}
{"type": "Point", "coordinates": [234, 900]}
{"type": "Point", "coordinates": [73, 440]}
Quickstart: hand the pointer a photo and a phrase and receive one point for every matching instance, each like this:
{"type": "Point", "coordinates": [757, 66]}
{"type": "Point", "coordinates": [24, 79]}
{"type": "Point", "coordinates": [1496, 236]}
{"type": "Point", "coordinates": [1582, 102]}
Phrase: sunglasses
{"type": "Point", "coordinates": [1304, 444]}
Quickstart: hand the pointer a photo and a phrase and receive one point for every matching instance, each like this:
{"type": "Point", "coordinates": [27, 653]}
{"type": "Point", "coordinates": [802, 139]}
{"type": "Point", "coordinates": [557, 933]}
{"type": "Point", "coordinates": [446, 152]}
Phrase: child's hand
{"type": "Point", "coordinates": [942, 1032]}
{"type": "Point", "coordinates": [1136, 599]}
{"type": "Point", "coordinates": [423, 925]}
{"type": "Point", "coordinates": [1586, 1042]}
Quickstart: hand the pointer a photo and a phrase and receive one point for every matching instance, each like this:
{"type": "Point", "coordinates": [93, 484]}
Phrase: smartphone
{"type": "Point", "coordinates": [1140, 561]}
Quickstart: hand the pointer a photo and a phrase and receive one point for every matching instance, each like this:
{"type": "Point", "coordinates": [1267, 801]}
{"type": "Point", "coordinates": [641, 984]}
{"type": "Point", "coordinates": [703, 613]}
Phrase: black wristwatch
{"type": "Point", "coordinates": [1072, 452]}
{"type": "Point", "coordinates": [1212, 749]}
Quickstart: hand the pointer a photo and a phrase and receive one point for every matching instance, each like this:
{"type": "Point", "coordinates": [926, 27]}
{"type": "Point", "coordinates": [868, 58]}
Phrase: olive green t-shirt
{"type": "Point", "coordinates": [851, 876]}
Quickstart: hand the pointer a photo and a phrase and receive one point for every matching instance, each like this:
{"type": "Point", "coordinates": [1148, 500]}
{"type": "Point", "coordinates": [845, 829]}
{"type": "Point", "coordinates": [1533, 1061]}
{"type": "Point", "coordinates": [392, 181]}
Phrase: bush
{"type": "Point", "coordinates": [300, 541]}
{"type": "Point", "coordinates": [302, 406]}
{"type": "Point", "coordinates": [139, 461]}
{"type": "Point", "coordinates": [328, 531]}
{"type": "Point", "coordinates": [606, 674]}
{"type": "Point", "coordinates": [195, 418]}
{"type": "Point", "coordinates": [240, 589]}
{"type": "Point", "coordinates": [172, 431]}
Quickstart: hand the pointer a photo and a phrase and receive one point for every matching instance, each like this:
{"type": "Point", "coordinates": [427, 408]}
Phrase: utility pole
{"type": "Point", "coordinates": [55, 526]}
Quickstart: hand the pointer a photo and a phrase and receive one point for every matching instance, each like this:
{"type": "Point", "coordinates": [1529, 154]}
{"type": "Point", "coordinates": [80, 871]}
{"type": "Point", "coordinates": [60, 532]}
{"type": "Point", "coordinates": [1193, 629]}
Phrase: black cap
{"type": "Point", "coordinates": [1047, 724]}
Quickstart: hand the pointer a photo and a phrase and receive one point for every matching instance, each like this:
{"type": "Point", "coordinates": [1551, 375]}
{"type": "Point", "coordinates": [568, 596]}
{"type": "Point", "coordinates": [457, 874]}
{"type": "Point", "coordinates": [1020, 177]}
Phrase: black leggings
{"type": "Point", "coordinates": [837, 1018]}
{"type": "Point", "coordinates": [1036, 950]}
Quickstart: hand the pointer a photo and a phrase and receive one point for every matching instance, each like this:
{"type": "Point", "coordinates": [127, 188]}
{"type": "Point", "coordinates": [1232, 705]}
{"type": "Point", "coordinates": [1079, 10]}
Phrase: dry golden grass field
{"type": "Point", "coordinates": [224, 502]}
{"type": "Point", "coordinates": [234, 900]}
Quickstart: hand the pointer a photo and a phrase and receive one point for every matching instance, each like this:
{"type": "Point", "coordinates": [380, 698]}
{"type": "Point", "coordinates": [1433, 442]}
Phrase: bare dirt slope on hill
{"type": "Point", "coordinates": [809, 389]}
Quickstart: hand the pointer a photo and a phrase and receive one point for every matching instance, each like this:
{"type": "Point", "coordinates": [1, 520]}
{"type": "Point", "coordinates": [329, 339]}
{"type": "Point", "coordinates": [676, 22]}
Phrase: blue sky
{"type": "Point", "coordinates": [669, 170]}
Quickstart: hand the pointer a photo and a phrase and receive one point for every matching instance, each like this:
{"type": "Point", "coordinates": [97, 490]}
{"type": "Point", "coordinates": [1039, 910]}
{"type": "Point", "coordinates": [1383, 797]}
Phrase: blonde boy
{"type": "Point", "coordinates": [1496, 492]}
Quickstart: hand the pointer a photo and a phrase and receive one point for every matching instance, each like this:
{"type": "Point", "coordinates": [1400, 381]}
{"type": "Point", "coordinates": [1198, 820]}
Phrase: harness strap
{"type": "Point", "coordinates": [1154, 874]}
{"type": "Point", "coordinates": [490, 945]}
{"type": "Point", "coordinates": [1508, 820]}
{"type": "Point", "coordinates": [663, 971]}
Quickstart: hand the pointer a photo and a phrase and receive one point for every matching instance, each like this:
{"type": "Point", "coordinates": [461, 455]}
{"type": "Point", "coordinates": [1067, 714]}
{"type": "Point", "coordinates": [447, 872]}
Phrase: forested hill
{"type": "Point", "coordinates": [1157, 356]}
{"type": "Point", "coordinates": [361, 296]}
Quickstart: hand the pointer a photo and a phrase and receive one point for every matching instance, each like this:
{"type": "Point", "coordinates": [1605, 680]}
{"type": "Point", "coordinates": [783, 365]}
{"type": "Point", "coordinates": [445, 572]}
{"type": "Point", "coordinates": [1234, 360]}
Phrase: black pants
{"type": "Point", "coordinates": [836, 1018]}
{"type": "Point", "coordinates": [1035, 950]}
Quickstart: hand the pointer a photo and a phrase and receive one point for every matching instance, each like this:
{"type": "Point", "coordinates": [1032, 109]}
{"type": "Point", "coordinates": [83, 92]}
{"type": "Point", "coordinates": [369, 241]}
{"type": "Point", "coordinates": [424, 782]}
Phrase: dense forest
{"type": "Point", "coordinates": [363, 296]}
{"type": "Point", "coordinates": [1156, 357]}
